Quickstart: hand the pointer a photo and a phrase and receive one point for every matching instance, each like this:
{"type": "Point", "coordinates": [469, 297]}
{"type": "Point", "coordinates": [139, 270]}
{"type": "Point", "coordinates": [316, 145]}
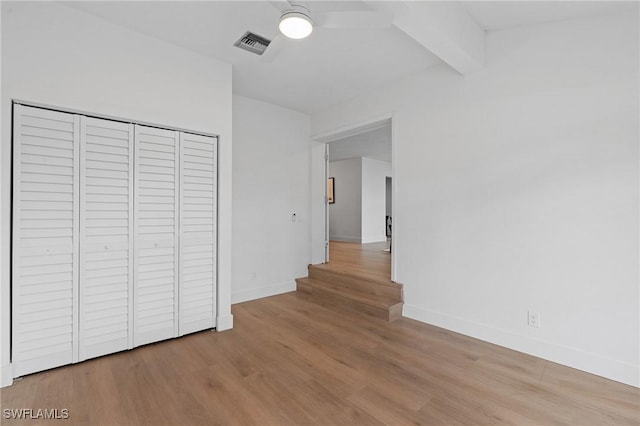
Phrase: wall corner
{"type": "Point", "coordinates": [224, 323]}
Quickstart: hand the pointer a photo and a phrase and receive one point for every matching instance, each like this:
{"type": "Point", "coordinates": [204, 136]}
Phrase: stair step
{"type": "Point", "coordinates": [371, 299]}
{"type": "Point", "coordinates": [362, 283]}
{"type": "Point", "coordinates": [379, 306]}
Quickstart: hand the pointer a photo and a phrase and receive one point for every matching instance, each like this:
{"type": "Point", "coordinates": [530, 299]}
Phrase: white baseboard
{"type": "Point", "coordinates": [345, 238]}
{"type": "Point", "coordinates": [6, 375]}
{"type": "Point", "coordinates": [224, 323]}
{"type": "Point", "coordinates": [374, 239]}
{"type": "Point", "coordinates": [260, 292]}
{"type": "Point", "coordinates": [572, 357]}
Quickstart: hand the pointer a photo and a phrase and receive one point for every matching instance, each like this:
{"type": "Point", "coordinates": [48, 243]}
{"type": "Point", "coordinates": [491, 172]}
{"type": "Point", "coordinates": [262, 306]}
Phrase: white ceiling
{"type": "Point", "coordinates": [375, 144]}
{"type": "Point", "coordinates": [329, 67]}
{"type": "Point", "coordinates": [500, 15]}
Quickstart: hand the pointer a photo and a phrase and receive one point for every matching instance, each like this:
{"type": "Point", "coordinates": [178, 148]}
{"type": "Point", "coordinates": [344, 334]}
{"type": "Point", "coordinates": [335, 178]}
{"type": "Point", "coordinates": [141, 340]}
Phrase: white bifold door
{"type": "Point", "coordinates": [175, 233]}
{"type": "Point", "coordinates": [46, 177]}
{"type": "Point", "coordinates": [198, 237]}
{"type": "Point", "coordinates": [106, 236]}
{"type": "Point", "coordinates": [156, 282]}
{"type": "Point", "coordinates": [114, 236]}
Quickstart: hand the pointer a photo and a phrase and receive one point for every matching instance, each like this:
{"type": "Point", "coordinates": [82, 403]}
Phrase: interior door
{"type": "Point", "coordinates": [198, 224]}
{"type": "Point", "coordinates": [106, 233]}
{"type": "Point", "coordinates": [156, 227]}
{"type": "Point", "coordinates": [113, 236]}
{"type": "Point", "coordinates": [45, 239]}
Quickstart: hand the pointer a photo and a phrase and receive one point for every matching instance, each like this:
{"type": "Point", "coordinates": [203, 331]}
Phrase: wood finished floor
{"type": "Point", "coordinates": [366, 260]}
{"type": "Point", "coordinates": [292, 362]}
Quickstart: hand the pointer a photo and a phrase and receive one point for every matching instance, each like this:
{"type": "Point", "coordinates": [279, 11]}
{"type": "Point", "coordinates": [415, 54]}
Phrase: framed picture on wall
{"type": "Point", "coordinates": [330, 191]}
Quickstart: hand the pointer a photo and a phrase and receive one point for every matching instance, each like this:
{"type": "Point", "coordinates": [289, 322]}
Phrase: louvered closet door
{"type": "Point", "coordinates": [156, 242]}
{"type": "Point", "coordinates": [198, 198]}
{"type": "Point", "coordinates": [106, 232]}
{"type": "Point", "coordinates": [45, 239]}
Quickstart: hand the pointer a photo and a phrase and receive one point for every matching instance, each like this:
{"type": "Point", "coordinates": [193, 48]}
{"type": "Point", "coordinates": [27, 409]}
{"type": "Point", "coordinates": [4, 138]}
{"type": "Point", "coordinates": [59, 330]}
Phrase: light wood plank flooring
{"type": "Point", "coordinates": [366, 260]}
{"type": "Point", "coordinates": [292, 362]}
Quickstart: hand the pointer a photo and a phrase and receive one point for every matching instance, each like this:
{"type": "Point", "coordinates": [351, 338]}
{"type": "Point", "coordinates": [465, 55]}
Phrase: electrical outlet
{"type": "Point", "coordinates": [253, 276]}
{"type": "Point", "coordinates": [533, 319]}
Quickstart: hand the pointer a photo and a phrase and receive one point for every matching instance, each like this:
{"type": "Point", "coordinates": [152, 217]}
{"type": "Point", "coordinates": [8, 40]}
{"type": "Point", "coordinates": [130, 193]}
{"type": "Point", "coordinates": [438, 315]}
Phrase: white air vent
{"type": "Point", "coordinates": [253, 43]}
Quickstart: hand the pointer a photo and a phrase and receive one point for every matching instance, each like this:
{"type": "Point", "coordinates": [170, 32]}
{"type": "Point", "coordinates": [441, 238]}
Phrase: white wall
{"type": "Point", "coordinates": [358, 215]}
{"type": "Point", "coordinates": [374, 202]}
{"type": "Point", "coordinates": [345, 215]}
{"type": "Point", "coordinates": [516, 188]}
{"type": "Point", "coordinates": [271, 181]}
{"type": "Point", "coordinates": [55, 55]}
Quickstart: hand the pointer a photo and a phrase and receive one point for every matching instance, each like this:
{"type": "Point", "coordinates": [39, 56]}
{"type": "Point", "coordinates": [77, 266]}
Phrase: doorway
{"type": "Point", "coordinates": [358, 176]}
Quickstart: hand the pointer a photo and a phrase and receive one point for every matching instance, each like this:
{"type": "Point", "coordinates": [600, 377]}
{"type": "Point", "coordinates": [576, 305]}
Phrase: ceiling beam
{"type": "Point", "coordinates": [445, 29]}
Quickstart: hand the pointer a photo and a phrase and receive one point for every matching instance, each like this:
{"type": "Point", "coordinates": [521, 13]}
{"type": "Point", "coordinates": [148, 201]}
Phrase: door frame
{"type": "Point", "coordinates": [351, 130]}
{"type": "Point", "coordinates": [326, 202]}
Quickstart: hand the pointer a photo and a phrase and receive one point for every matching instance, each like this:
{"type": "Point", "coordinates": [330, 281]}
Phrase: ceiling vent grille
{"type": "Point", "coordinates": [252, 43]}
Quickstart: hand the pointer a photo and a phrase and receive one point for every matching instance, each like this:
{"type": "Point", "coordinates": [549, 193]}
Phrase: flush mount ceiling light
{"type": "Point", "coordinates": [296, 23]}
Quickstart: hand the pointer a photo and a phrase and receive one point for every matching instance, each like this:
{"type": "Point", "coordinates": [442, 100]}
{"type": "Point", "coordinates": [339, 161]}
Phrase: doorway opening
{"type": "Point", "coordinates": [359, 198]}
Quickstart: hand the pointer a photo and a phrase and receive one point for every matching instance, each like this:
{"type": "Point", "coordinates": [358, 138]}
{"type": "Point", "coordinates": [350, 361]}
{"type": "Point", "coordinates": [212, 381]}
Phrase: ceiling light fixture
{"type": "Point", "coordinates": [296, 23]}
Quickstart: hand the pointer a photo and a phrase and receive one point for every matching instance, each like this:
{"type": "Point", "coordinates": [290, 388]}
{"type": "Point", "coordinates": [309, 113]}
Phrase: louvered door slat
{"type": "Point", "coordinates": [106, 248]}
{"type": "Point", "coordinates": [198, 197]}
{"type": "Point", "coordinates": [156, 261]}
{"type": "Point", "coordinates": [45, 239]}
